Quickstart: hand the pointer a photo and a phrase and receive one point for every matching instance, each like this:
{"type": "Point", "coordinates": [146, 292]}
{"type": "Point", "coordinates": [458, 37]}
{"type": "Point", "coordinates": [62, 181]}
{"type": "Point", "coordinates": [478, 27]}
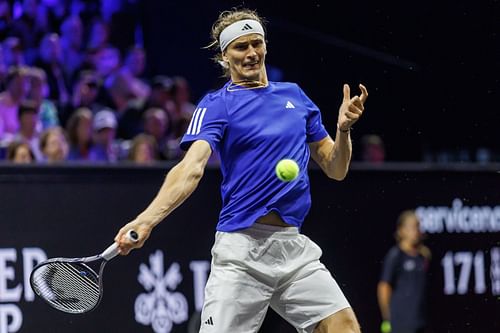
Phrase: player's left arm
{"type": "Point", "coordinates": [332, 156]}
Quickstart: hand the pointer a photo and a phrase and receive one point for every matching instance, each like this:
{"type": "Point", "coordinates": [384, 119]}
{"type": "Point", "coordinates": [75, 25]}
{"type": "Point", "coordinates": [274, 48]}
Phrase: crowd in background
{"type": "Point", "coordinates": [70, 90]}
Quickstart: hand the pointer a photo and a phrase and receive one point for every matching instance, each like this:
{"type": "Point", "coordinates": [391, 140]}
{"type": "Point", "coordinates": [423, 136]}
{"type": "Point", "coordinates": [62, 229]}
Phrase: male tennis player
{"type": "Point", "coordinates": [259, 256]}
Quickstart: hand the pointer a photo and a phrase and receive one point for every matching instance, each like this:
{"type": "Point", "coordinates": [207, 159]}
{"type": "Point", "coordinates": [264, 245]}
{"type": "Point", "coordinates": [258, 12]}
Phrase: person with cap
{"type": "Point", "coordinates": [105, 148]}
{"type": "Point", "coordinates": [259, 258]}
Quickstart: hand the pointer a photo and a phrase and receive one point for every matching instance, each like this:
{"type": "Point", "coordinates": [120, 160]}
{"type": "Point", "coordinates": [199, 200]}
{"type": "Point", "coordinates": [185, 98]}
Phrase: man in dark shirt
{"type": "Point", "coordinates": [402, 287]}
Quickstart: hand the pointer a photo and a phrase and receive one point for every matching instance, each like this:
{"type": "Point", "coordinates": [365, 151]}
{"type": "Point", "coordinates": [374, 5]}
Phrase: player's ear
{"type": "Point", "coordinates": [225, 58]}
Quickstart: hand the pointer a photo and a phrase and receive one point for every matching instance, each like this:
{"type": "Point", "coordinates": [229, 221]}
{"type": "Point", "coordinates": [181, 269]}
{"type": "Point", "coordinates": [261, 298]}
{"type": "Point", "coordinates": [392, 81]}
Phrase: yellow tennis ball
{"type": "Point", "coordinates": [385, 327]}
{"type": "Point", "coordinates": [287, 170]}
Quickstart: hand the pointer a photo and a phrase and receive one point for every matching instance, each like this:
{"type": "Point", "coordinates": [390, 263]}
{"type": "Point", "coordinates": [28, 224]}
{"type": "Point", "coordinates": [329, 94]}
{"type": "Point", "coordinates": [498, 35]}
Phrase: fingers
{"type": "Point", "coordinates": [125, 244]}
{"type": "Point", "coordinates": [347, 92]}
{"type": "Point", "coordinates": [356, 101]}
{"type": "Point", "coordinates": [352, 115]}
{"type": "Point", "coordinates": [361, 99]}
{"type": "Point", "coordinates": [364, 93]}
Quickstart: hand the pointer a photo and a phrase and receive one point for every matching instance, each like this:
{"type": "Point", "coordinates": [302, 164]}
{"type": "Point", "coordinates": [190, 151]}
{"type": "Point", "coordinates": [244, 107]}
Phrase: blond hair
{"type": "Point", "coordinates": [225, 19]}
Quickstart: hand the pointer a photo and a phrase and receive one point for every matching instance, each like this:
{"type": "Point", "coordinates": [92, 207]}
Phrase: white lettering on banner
{"type": "Point", "coordinates": [32, 256]}
{"type": "Point", "coordinates": [459, 218]}
{"type": "Point", "coordinates": [495, 271]}
{"type": "Point", "coordinates": [11, 318]}
{"type": "Point", "coordinates": [161, 307]}
{"type": "Point", "coordinates": [459, 266]}
{"type": "Point", "coordinates": [7, 273]}
{"type": "Point", "coordinates": [200, 270]}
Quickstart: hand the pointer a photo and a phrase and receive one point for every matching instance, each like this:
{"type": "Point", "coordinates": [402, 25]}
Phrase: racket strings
{"type": "Point", "coordinates": [69, 287]}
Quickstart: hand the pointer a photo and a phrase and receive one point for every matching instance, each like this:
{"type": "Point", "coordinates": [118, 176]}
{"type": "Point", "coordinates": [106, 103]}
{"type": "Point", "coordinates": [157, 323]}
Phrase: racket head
{"type": "Point", "coordinates": [68, 285]}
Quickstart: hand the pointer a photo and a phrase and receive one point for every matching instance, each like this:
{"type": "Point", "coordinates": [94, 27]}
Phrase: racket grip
{"type": "Point", "coordinates": [112, 251]}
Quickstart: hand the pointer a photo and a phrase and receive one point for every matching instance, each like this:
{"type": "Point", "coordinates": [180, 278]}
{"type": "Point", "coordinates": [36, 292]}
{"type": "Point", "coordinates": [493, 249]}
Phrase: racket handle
{"type": "Point", "coordinates": [112, 250]}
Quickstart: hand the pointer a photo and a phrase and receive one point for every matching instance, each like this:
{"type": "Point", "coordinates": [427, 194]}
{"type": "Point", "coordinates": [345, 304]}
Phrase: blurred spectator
{"type": "Point", "coordinates": [50, 61]}
{"type": "Point", "coordinates": [30, 28]}
{"type": "Point", "coordinates": [3, 70]}
{"type": "Point", "coordinates": [13, 52]}
{"type": "Point", "coordinates": [135, 61]}
{"type": "Point", "coordinates": [28, 120]}
{"type": "Point", "coordinates": [402, 290]}
{"type": "Point", "coordinates": [10, 101]}
{"type": "Point", "coordinates": [161, 93]}
{"type": "Point", "coordinates": [134, 65]}
{"type": "Point", "coordinates": [79, 129]}
{"type": "Point", "coordinates": [372, 150]}
{"type": "Point", "coordinates": [183, 109]}
{"type": "Point", "coordinates": [106, 62]}
{"type": "Point", "coordinates": [72, 45]}
{"type": "Point", "coordinates": [5, 19]}
{"type": "Point", "coordinates": [48, 113]}
{"type": "Point", "coordinates": [98, 35]}
{"type": "Point", "coordinates": [54, 145]}
{"type": "Point", "coordinates": [156, 124]}
{"type": "Point", "coordinates": [110, 7]}
{"type": "Point", "coordinates": [20, 153]}
{"type": "Point", "coordinates": [143, 149]}
{"type": "Point", "coordinates": [55, 13]}
{"type": "Point", "coordinates": [128, 105]}
{"type": "Point", "coordinates": [85, 92]}
{"type": "Point", "coordinates": [105, 148]}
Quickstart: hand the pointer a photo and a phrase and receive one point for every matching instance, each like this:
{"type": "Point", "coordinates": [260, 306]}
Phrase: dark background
{"type": "Point", "coordinates": [76, 211]}
{"type": "Point", "coordinates": [431, 67]}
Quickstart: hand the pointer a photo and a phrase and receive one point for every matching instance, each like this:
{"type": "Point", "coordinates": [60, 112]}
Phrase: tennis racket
{"type": "Point", "coordinates": [69, 284]}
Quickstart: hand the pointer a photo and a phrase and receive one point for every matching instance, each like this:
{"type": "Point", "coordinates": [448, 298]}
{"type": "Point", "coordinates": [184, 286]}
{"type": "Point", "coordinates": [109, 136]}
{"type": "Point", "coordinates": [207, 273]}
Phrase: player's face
{"type": "Point", "coordinates": [410, 230]}
{"type": "Point", "coordinates": [246, 56]}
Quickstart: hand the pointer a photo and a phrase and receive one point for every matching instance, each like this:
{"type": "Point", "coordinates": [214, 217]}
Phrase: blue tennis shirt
{"type": "Point", "coordinates": [252, 130]}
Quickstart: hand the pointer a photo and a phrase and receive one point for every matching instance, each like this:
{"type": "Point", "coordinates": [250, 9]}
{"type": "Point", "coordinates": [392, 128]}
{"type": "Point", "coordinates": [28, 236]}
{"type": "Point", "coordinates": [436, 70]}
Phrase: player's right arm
{"type": "Point", "coordinates": [179, 183]}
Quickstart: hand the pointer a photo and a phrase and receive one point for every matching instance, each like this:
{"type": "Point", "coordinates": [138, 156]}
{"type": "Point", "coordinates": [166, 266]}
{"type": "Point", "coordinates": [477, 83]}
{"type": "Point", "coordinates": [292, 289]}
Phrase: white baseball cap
{"type": "Point", "coordinates": [104, 119]}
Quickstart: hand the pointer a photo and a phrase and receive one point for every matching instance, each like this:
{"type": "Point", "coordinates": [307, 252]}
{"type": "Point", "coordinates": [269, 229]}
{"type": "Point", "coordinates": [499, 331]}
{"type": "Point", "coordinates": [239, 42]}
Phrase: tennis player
{"type": "Point", "coordinates": [259, 258]}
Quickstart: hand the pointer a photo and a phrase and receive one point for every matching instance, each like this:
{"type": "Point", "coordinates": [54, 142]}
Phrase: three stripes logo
{"type": "Point", "coordinates": [196, 121]}
{"type": "Point", "coordinates": [289, 105]}
{"type": "Point", "coordinates": [209, 321]}
{"type": "Point", "coordinates": [246, 27]}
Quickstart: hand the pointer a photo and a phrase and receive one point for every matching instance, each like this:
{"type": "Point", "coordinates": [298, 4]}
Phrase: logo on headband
{"type": "Point", "coordinates": [247, 27]}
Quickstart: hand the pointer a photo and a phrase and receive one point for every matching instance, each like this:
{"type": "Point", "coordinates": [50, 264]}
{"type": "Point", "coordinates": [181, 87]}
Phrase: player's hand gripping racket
{"type": "Point", "coordinates": [69, 284]}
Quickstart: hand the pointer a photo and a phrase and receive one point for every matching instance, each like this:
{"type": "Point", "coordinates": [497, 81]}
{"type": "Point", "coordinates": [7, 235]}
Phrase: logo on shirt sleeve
{"type": "Point", "coordinates": [196, 121]}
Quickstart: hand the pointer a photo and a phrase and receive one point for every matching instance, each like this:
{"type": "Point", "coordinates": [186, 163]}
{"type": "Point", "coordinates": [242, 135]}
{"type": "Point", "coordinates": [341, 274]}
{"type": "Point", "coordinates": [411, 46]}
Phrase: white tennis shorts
{"type": "Point", "coordinates": [267, 265]}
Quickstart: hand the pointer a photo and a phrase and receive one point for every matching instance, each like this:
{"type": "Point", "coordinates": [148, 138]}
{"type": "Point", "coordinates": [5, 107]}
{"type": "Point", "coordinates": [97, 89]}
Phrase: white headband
{"type": "Point", "coordinates": [238, 29]}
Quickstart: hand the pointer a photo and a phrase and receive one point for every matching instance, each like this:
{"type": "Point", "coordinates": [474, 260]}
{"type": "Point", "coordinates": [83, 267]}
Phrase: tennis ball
{"type": "Point", "coordinates": [287, 170]}
{"type": "Point", "coordinates": [386, 327]}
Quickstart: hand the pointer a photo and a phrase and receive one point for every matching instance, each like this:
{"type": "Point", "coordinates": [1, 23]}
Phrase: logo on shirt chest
{"type": "Point", "coordinates": [409, 265]}
{"type": "Point", "coordinates": [289, 105]}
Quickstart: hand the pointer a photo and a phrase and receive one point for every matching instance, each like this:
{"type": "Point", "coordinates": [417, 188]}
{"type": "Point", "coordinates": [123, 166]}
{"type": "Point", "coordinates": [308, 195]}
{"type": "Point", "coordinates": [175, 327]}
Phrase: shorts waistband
{"type": "Point", "coordinates": [275, 231]}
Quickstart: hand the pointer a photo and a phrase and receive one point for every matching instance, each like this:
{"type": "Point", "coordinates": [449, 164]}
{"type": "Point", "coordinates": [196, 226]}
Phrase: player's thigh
{"type": "Point", "coordinates": [235, 300]}
{"type": "Point", "coordinates": [233, 303]}
{"type": "Point", "coordinates": [310, 297]}
{"type": "Point", "coordinates": [343, 321]}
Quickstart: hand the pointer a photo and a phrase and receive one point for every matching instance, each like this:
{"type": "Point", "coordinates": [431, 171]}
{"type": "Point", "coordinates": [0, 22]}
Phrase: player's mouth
{"type": "Point", "coordinates": [251, 65]}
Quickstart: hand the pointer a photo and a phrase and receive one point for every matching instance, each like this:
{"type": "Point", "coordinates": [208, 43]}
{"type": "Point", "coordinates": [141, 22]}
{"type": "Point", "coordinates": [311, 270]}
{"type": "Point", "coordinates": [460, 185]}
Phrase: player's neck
{"type": "Point", "coordinates": [247, 83]}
